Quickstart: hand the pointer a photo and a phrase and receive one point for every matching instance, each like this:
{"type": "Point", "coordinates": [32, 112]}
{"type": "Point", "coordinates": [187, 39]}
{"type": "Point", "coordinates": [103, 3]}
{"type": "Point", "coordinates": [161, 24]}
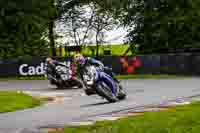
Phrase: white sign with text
{"type": "Point", "coordinates": [25, 69]}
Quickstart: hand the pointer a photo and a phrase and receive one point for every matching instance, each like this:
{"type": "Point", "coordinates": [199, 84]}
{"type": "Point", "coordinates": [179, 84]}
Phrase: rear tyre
{"type": "Point", "coordinates": [59, 86]}
{"type": "Point", "coordinates": [52, 82]}
{"type": "Point", "coordinates": [122, 93]}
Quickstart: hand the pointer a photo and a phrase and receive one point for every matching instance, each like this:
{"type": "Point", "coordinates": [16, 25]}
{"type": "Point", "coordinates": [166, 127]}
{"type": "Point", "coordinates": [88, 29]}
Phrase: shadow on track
{"type": "Point", "coordinates": [95, 104]}
{"type": "Point", "coordinates": [54, 88]}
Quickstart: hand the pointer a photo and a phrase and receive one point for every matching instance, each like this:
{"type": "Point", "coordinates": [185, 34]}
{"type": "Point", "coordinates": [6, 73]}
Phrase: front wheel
{"type": "Point", "coordinates": [77, 83]}
{"type": "Point", "coordinates": [105, 91]}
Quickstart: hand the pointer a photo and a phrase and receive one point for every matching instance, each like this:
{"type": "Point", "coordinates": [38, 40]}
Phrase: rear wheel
{"type": "Point", "coordinates": [122, 93]}
{"type": "Point", "coordinates": [59, 86]}
{"type": "Point", "coordinates": [51, 81]}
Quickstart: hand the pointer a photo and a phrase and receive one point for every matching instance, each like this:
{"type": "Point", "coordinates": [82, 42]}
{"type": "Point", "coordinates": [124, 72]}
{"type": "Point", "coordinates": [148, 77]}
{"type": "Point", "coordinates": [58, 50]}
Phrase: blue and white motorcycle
{"type": "Point", "coordinates": [103, 84]}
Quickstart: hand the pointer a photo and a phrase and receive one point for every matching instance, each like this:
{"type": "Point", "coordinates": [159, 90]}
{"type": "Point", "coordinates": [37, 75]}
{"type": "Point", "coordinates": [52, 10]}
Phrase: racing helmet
{"type": "Point", "coordinates": [79, 59]}
{"type": "Point", "coordinates": [48, 60]}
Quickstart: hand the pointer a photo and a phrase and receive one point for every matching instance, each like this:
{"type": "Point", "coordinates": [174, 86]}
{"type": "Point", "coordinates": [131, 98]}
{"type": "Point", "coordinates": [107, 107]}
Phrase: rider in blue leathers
{"type": "Point", "coordinates": [82, 62]}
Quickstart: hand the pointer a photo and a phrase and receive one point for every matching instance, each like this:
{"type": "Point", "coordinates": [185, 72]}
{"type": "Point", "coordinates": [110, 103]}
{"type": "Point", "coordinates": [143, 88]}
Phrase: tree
{"type": "Point", "coordinates": [102, 22]}
{"type": "Point", "coordinates": [130, 13]}
{"type": "Point", "coordinates": [133, 18]}
{"type": "Point", "coordinates": [171, 25]}
{"type": "Point", "coordinates": [51, 25]}
{"type": "Point", "coordinates": [158, 25]}
{"type": "Point", "coordinates": [83, 21]}
{"type": "Point", "coordinates": [57, 9]}
{"type": "Point", "coordinates": [76, 24]}
{"type": "Point", "coordinates": [23, 27]}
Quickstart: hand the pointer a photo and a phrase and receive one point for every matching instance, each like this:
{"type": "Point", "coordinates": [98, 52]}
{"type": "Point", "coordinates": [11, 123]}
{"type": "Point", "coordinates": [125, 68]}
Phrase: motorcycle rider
{"type": "Point", "coordinates": [51, 66]}
{"type": "Point", "coordinates": [82, 62]}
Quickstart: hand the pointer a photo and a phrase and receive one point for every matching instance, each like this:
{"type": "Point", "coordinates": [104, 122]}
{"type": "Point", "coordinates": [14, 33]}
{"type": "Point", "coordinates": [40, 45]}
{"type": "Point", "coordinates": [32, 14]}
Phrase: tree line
{"type": "Point", "coordinates": [31, 28]}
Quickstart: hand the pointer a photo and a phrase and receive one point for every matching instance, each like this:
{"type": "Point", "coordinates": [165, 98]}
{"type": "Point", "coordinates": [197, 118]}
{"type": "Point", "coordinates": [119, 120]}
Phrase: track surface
{"type": "Point", "coordinates": [77, 106]}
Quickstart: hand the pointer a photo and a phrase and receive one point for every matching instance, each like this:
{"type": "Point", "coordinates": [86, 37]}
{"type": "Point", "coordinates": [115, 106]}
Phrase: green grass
{"type": "Point", "coordinates": [182, 119]}
{"type": "Point", "coordinates": [12, 101]}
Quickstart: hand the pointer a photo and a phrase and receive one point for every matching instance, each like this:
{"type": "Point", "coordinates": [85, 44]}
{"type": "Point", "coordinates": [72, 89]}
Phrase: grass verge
{"type": "Point", "coordinates": [12, 101]}
{"type": "Point", "coordinates": [181, 119]}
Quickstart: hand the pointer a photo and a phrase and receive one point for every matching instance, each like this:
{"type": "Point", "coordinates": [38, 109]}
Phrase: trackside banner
{"type": "Point", "coordinates": [148, 64]}
{"type": "Point", "coordinates": [25, 67]}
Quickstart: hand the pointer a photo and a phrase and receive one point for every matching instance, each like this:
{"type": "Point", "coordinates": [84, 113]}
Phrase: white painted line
{"type": "Point", "coordinates": [183, 103]}
{"type": "Point", "coordinates": [52, 93]}
{"type": "Point", "coordinates": [44, 93]}
{"type": "Point", "coordinates": [82, 123]}
{"type": "Point", "coordinates": [108, 118]}
{"type": "Point", "coordinates": [83, 94]}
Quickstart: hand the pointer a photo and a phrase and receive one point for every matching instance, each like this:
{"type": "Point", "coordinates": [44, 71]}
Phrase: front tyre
{"type": "Point", "coordinates": [105, 91]}
{"type": "Point", "coordinates": [79, 84]}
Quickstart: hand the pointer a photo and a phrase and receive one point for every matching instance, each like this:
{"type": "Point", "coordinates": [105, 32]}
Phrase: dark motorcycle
{"type": "Point", "coordinates": [63, 77]}
{"type": "Point", "coordinates": [103, 84]}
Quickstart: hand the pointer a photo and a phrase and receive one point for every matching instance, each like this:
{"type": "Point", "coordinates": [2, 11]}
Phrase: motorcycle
{"type": "Point", "coordinates": [103, 84]}
{"type": "Point", "coordinates": [64, 77]}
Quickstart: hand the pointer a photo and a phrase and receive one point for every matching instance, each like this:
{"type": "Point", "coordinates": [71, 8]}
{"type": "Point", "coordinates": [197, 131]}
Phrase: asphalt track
{"type": "Point", "coordinates": [76, 106]}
